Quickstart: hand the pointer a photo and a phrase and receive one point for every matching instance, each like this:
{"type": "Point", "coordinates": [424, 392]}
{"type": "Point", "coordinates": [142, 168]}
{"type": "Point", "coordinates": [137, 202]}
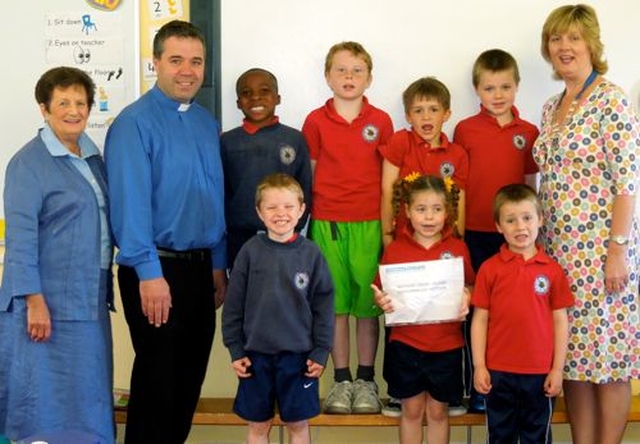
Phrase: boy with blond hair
{"type": "Point", "coordinates": [343, 137]}
{"type": "Point", "coordinates": [280, 279]}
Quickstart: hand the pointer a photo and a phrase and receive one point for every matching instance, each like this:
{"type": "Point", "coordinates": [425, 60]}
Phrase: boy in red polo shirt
{"type": "Point", "coordinates": [343, 138]}
{"type": "Point", "coordinates": [520, 328]}
{"type": "Point", "coordinates": [424, 149]}
{"type": "Point", "coordinates": [499, 145]}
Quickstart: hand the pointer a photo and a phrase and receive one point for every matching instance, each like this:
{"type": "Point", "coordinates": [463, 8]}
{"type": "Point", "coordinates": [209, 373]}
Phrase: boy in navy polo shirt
{"type": "Point", "coordinates": [519, 331]}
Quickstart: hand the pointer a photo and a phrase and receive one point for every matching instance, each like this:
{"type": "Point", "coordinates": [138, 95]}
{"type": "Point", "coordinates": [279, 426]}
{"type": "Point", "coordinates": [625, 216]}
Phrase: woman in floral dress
{"type": "Point", "coordinates": [588, 153]}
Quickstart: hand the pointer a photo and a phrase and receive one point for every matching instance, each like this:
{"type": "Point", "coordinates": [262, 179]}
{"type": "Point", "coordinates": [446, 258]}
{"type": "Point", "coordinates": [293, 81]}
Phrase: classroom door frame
{"type": "Point", "coordinates": [205, 14]}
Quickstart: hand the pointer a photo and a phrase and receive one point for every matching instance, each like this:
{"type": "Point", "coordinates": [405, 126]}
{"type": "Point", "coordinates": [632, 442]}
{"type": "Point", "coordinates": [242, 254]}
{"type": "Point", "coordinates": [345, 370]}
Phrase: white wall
{"type": "Point", "coordinates": [407, 39]}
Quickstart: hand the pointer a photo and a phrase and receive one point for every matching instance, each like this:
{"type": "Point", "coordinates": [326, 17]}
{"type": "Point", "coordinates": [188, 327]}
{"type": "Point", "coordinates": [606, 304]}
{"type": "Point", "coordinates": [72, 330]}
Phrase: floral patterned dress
{"type": "Point", "coordinates": [584, 162]}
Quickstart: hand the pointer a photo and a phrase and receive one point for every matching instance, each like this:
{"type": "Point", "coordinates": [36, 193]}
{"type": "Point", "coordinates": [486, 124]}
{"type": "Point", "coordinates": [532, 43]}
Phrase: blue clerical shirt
{"type": "Point", "coordinates": [165, 182]}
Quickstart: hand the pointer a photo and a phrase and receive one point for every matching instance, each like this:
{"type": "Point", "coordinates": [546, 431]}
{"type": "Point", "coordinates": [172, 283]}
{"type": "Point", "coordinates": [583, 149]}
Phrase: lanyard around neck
{"type": "Point", "coordinates": [587, 83]}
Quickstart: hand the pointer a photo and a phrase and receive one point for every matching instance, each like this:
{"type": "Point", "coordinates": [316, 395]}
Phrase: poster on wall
{"type": "Point", "coordinates": [155, 13]}
{"type": "Point", "coordinates": [92, 39]}
{"type": "Point", "coordinates": [165, 9]}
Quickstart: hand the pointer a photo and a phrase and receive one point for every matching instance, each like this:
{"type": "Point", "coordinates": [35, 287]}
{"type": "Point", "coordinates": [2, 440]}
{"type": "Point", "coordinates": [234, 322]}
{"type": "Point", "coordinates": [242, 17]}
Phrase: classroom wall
{"type": "Point", "coordinates": [407, 39]}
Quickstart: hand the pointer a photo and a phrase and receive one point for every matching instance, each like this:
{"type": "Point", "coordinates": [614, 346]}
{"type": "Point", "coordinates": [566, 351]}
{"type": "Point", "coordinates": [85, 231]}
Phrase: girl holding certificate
{"type": "Point", "coordinates": [423, 362]}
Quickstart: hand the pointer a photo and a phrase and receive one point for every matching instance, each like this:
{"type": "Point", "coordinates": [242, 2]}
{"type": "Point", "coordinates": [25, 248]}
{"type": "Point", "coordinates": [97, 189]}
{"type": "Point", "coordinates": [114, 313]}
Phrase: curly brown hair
{"type": "Point", "coordinates": [406, 187]}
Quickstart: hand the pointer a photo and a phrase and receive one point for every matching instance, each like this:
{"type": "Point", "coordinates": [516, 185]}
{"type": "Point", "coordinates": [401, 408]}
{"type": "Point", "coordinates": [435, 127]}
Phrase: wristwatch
{"type": "Point", "coordinates": [619, 239]}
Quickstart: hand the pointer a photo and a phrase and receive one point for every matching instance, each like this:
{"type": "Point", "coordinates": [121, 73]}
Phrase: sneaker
{"type": "Point", "coordinates": [476, 403]}
{"type": "Point", "coordinates": [393, 408]}
{"type": "Point", "coordinates": [457, 409]}
{"type": "Point", "coordinates": [339, 399]}
{"type": "Point", "coordinates": [365, 397]}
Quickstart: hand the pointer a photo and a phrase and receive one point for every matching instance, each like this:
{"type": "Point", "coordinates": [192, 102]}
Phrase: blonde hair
{"type": "Point", "coordinates": [278, 180]}
{"type": "Point", "coordinates": [584, 19]}
{"type": "Point", "coordinates": [355, 48]}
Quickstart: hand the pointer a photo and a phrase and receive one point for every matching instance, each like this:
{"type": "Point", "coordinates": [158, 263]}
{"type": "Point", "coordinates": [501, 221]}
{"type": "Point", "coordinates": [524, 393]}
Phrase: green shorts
{"type": "Point", "coordinates": [352, 251]}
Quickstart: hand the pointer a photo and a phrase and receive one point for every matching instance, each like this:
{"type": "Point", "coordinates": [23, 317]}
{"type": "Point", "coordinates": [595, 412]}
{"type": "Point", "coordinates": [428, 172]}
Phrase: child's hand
{"type": "Point", "coordinates": [466, 300]}
{"type": "Point", "coordinates": [553, 383]}
{"type": "Point", "coordinates": [241, 367]}
{"type": "Point", "coordinates": [314, 370]}
{"type": "Point", "coordinates": [381, 299]}
{"type": "Point", "coordinates": [482, 380]}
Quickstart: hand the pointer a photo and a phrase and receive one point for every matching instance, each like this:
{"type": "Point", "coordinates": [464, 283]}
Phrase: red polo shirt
{"type": "Point", "coordinates": [498, 156]}
{"type": "Point", "coordinates": [347, 177]}
{"type": "Point", "coordinates": [520, 296]}
{"type": "Point", "coordinates": [428, 337]}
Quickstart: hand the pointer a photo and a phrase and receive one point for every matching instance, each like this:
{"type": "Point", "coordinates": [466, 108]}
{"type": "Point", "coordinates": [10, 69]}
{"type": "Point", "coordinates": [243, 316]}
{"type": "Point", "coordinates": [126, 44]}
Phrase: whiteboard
{"type": "Point", "coordinates": [40, 34]}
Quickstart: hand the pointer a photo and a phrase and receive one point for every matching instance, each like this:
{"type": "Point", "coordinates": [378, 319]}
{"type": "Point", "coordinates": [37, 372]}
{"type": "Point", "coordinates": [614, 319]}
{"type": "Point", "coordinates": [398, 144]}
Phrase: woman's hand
{"type": "Point", "coordinates": [616, 275]}
{"type": "Point", "coordinates": [38, 318]}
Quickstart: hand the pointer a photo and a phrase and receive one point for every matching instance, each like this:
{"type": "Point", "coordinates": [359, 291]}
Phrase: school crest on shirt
{"type": "Point", "coordinates": [287, 154]}
{"type": "Point", "coordinates": [446, 255]}
{"type": "Point", "coordinates": [541, 285]}
{"type": "Point", "coordinates": [447, 169]}
{"type": "Point", "coordinates": [370, 133]}
{"type": "Point", "coordinates": [301, 280]}
{"type": "Point", "coordinates": [519, 141]}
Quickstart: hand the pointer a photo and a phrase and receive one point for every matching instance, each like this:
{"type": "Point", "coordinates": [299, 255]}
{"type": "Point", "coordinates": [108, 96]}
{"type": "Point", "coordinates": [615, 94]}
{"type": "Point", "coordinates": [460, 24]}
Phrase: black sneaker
{"type": "Point", "coordinates": [393, 408]}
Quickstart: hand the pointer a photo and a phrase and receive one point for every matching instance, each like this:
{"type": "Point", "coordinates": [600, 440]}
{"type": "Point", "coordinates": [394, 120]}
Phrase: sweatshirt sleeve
{"type": "Point", "coordinates": [322, 308]}
{"type": "Point", "coordinates": [234, 308]}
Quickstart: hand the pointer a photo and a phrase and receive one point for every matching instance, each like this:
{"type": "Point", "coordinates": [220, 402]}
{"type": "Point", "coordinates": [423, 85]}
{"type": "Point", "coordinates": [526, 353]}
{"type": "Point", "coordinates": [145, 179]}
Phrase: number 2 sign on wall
{"type": "Point", "coordinates": [165, 9]}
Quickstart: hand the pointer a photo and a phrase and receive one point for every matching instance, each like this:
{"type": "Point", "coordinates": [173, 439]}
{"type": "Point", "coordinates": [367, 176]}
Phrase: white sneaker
{"type": "Point", "coordinates": [365, 397]}
{"type": "Point", "coordinates": [339, 399]}
{"type": "Point", "coordinates": [457, 409]}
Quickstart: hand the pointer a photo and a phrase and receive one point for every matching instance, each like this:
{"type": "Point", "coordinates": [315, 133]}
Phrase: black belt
{"type": "Point", "coordinates": [197, 255]}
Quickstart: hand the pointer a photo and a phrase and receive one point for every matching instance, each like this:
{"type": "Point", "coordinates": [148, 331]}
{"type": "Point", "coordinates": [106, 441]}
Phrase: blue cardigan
{"type": "Point", "coordinates": [53, 233]}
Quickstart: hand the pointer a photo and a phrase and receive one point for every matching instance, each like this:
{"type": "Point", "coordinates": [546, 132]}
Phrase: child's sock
{"type": "Point", "coordinates": [342, 374]}
{"type": "Point", "coordinates": [365, 372]}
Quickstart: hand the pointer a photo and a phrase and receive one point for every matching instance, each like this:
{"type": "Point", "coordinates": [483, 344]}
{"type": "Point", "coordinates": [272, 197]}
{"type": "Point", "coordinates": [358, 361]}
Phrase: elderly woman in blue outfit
{"type": "Point", "coordinates": [55, 334]}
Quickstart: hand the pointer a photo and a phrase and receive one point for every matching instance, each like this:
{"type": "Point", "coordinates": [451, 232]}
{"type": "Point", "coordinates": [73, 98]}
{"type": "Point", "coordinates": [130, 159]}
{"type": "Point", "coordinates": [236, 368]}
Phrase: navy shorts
{"type": "Point", "coordinates": [409, 372]}
{"type": "Point", "coordinates": [277, 379]}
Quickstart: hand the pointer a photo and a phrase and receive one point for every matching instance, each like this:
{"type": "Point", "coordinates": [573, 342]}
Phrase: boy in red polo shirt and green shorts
{"type": "Point", "coordinates": [343, 138]}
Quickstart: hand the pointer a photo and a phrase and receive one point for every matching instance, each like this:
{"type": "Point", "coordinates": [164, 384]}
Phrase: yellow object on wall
{"type": "Point", "coordinates": [154, 14]}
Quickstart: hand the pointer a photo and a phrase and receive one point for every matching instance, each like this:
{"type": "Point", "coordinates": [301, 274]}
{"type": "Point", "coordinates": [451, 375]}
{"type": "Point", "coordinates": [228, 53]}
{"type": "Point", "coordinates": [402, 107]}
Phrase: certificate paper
{"type": "Point", "coordinates": [424, 292]}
